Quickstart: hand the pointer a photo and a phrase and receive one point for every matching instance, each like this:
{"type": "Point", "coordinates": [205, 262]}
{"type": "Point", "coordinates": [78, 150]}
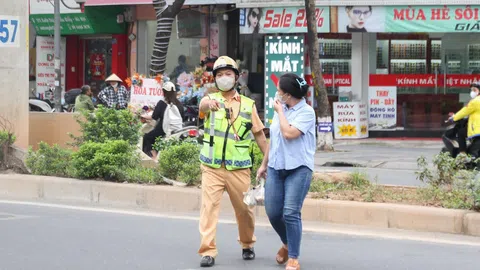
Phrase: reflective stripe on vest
{"type": "Point", "coordinates": [220, 144]}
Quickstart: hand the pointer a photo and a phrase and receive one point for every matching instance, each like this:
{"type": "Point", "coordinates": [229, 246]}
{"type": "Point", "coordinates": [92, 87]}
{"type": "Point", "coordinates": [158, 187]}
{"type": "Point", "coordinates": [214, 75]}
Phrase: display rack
{"type": "Point", "coordinates": [436, 59]}
{"type": "Point", "coordinates": [335, 58]}
{"type": "Point", "coordinates": [474, 58]}
{"type": "Point", "coordinates": [408, 57]}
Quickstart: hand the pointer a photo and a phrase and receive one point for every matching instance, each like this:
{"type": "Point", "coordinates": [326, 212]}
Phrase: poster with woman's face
{"type": "Point", "coordinates": [250, 20]}
{"type": "Point", "coordinates": [361, 19]}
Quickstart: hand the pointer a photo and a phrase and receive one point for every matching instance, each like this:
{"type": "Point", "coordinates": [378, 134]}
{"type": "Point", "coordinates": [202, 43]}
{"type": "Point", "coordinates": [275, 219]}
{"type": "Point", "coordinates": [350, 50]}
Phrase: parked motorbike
{"type": "Point", "coordinates": [40, 105]}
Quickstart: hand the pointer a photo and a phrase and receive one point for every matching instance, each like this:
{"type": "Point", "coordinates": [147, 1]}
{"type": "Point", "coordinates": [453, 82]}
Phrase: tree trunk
{"type": "Point", "coordinates": [165, 16]}
{"type": "Point", "coordinates": [324, 139]}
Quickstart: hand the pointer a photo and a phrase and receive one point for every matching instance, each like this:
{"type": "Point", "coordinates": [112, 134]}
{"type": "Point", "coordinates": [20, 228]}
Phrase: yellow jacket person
{"type": "Point", "coordinates": [231, 123]}
{"type": "Point", "coordinates": [472, 110]}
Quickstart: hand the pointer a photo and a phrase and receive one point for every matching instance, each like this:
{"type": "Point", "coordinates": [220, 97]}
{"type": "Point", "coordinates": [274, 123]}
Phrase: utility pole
{"type": "Point", "coordinates": [58, 73]}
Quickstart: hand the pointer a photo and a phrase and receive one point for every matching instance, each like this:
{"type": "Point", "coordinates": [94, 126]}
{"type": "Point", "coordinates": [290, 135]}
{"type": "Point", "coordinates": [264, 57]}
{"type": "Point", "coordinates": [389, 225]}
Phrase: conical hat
{"type": "Point", "coordinates": [113, 78]}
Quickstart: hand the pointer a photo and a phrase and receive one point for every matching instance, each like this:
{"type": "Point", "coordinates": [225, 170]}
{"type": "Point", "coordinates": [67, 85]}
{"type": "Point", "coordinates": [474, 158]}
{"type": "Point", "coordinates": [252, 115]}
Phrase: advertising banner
{"type": "Point", "coordinates": [350, 120]}
{"type": "Point", "coordinates": [281, 20]}
{"type": "Point", "coordinates": [282, 55]}
{"type": "Point", "coordinates": [45, 64]}
{"type": "Point", "coordinates": [423, 80]}
{"type": "Point", "coordinates": [148, 94]}
{"type": "Point", "coordinates": [382, 107]}
{"type": "Point", "coordinates": [413, 19]}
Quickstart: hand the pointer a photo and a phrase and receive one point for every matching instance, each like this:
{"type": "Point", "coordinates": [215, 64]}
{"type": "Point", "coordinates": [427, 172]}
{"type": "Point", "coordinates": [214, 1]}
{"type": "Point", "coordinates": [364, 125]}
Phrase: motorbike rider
{"type": "Point", "coordinates": [472, 111]}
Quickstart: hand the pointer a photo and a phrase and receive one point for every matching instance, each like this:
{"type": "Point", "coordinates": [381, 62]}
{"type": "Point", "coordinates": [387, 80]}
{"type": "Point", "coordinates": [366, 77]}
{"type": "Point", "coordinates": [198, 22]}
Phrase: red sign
{"type": "Point", "coordinates": [340, 80]}
{"type": "Point", "coordinates": [423, 80]}
{"type": "Point", "coordinates": [97, 66]}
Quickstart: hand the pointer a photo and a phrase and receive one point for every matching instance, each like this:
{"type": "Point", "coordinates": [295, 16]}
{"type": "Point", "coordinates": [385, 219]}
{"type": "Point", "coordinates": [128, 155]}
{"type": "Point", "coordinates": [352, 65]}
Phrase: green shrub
{"type": "Point", "coordinates": [107, 160]}
{"type": "Point", "coordinates": [142, 175]}
{"type": "Point", "coordinates": [106, 124]}
{"type": "Point", "coordinates": [181, 163]}
{"type": "Point", "coordinates": [49, 160]}
{"type": "Point", "coordinates": [6, 140]}
{"type": "Point", "coordinates": [162, 143]}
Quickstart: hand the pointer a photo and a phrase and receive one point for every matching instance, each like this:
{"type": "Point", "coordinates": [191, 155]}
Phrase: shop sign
{"type": "Point", "coordinates": [76, 23]}
{"type": "Point", "coordinates": [149, 93]}
{"type": "Point", "coordinates": [350, 120]}
{"type": "Point", "coordinates": [409, 19]}
{"type": "Point", "coordinates": [423, 80]}
{"type": "Point", "coordinates": [282, 55]}
{"type": "Point", "coordinates": [382, 107]}
{"type": "Point", "coordinates": [282, 20]}
{"type": "Point", "coordinates": [9, 36]}
{"type": "Point", "coordinates": [45, 71]}
{"type": "Point", "coordinates": [46, 6]}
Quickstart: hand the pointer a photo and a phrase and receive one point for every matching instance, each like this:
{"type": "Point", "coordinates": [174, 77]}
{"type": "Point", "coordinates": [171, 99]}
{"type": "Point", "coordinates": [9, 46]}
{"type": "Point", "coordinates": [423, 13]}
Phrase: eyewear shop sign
{"type": "Point", "coordinates": [282, 55]}
{"type": "Point", "coordinates": [282, 20]}
{"type": "Point", "coordinates": [407, 19]}
{"type": "Point", "coordinates": [350, 120]}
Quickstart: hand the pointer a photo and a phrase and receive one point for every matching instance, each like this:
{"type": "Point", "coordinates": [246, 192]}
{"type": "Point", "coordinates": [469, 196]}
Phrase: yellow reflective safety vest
{"type": "Point", "coordinates": [220, 144]}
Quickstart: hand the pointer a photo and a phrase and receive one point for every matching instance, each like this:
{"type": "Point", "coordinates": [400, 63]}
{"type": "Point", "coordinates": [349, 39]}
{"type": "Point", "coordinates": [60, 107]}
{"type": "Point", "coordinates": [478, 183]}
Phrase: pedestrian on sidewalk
{"type": "Point", "coordinates": [288, 166]}
{"type": "Point", "coordinates": [231, 119]}
{"type": "Point", "coordinates": [115, 95]}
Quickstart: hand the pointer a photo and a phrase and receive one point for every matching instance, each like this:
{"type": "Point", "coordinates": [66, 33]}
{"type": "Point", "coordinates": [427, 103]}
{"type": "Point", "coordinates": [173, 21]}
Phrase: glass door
{"type": "Point", "coordinates": [98, 63]}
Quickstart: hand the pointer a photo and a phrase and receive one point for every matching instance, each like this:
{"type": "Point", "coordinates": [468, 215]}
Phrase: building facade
{"type": "Point", "coordinates": [410, 65]}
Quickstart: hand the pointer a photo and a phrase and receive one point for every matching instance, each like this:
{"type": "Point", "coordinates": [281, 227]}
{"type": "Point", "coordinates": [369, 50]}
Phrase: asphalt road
{"type": "Point", "coordinates": [384, 164]}
{"type": "Point", "coordinates": [39, 237]}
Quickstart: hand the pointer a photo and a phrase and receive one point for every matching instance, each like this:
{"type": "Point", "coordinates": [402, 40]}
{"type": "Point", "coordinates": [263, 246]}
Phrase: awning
{"type": "Point", "coordinates": [149, 2]}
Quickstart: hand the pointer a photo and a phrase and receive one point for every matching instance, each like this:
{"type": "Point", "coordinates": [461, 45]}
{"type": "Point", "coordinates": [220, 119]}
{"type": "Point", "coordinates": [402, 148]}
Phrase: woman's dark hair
{"type": "Point", "coordinates": [171, 97]}
{"type": "Point", "coordinates": [259, 16]}
{"type": "Point", "coordinates": [85, 89]}
{"type": "Point", "coordinates": [294, 85]}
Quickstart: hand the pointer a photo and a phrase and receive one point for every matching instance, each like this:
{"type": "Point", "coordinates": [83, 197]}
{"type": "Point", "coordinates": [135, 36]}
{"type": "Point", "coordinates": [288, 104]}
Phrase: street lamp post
{"type": "Point", "coordinates": [58, 73]}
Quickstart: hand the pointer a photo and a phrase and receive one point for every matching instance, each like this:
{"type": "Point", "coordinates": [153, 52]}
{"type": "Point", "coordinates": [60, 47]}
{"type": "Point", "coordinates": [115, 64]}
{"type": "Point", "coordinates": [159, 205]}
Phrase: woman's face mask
{"type": "Point", "coordinates": [473, 94]}
{"type": "Point", "coordinates": [114, 84]}
{"type": "Point", "coordinates": [225, 83]}
{"type": "Point", "coordinates": [281, 98]}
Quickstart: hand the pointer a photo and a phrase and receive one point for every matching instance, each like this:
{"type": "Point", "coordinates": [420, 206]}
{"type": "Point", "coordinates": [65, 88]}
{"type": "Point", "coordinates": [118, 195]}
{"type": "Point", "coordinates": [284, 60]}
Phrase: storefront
{"type": "Point", "coordinates": [410, 65]}
{"type": "Point", "coordinates": [200, 30]}
{"type": "Point", "coordinates": [94, 43]}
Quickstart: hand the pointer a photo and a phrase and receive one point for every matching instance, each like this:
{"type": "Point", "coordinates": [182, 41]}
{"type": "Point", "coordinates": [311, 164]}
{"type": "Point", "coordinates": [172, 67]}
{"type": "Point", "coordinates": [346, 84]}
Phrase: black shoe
{"type": "Point", "coordinates": [248, 254]}
{"type": "Point", "coordinates": [207, 261]}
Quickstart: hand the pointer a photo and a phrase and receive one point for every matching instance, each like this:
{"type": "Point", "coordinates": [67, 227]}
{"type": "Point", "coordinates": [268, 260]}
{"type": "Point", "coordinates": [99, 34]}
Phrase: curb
{"type": "Point", "coordinates": [176, 199]}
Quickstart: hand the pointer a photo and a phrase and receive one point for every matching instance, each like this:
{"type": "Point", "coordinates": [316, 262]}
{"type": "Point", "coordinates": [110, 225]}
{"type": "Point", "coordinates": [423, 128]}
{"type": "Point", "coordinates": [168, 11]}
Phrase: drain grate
{"type": "Point", "coordinates": [342, 164]}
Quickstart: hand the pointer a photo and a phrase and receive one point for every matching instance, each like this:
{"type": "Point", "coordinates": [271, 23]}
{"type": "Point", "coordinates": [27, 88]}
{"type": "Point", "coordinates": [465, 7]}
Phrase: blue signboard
{"type": "Point", "coordinates": [325, 127]}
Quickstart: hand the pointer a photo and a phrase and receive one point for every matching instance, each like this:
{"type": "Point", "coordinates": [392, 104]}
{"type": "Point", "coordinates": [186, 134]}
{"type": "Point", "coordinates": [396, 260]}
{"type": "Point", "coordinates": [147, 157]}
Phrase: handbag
{"type": "Point", "coordinates": [255, 195]}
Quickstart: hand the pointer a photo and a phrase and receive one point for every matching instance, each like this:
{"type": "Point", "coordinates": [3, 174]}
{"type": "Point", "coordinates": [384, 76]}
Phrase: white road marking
{"type": "Point", "coordinates": [436, 238]}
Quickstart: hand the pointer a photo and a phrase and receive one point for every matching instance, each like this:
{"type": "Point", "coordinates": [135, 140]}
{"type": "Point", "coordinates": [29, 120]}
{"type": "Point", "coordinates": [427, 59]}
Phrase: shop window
{"type": "Point", "coordinates": [188, 47]}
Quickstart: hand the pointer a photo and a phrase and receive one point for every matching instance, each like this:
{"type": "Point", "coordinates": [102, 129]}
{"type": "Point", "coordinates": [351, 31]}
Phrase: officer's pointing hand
{"type": "Point", "coordinates": [214, 105]}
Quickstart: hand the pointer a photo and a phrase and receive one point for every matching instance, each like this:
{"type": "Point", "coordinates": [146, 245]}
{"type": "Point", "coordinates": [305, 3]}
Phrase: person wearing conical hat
{"type": "Point", "coordinates": [115, 95]}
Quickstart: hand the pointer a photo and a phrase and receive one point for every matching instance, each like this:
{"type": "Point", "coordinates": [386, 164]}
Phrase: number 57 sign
{"type": "Point", "coordinates": [9, 31]}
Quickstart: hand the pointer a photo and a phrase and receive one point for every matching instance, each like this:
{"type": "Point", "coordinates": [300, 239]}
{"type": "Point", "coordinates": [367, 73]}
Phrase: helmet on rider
{"type": "Point", "coordinates": [225, 79]}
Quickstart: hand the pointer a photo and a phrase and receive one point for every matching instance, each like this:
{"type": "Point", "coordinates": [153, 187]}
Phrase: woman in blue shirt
{"type": "Point", "coordinates": [288, 165]}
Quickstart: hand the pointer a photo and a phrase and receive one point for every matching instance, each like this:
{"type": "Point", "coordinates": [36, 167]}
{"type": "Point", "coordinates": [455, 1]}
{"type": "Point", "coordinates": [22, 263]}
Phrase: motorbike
{"type": "Point", "coordinates": [40, 105]}
{"type": "Point", "coordinates": [451, 146]}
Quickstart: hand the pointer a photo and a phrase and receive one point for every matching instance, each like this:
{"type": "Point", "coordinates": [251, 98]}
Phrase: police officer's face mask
{"type": "Point", "coordinates": [225, 83]}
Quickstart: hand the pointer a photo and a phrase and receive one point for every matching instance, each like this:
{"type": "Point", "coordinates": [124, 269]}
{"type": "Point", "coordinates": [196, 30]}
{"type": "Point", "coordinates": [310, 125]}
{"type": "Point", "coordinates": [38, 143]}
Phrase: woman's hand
{"type": "Point", "coordinates": [262, 172]}
{"type": "Point", "coordinates": [277, 106]}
